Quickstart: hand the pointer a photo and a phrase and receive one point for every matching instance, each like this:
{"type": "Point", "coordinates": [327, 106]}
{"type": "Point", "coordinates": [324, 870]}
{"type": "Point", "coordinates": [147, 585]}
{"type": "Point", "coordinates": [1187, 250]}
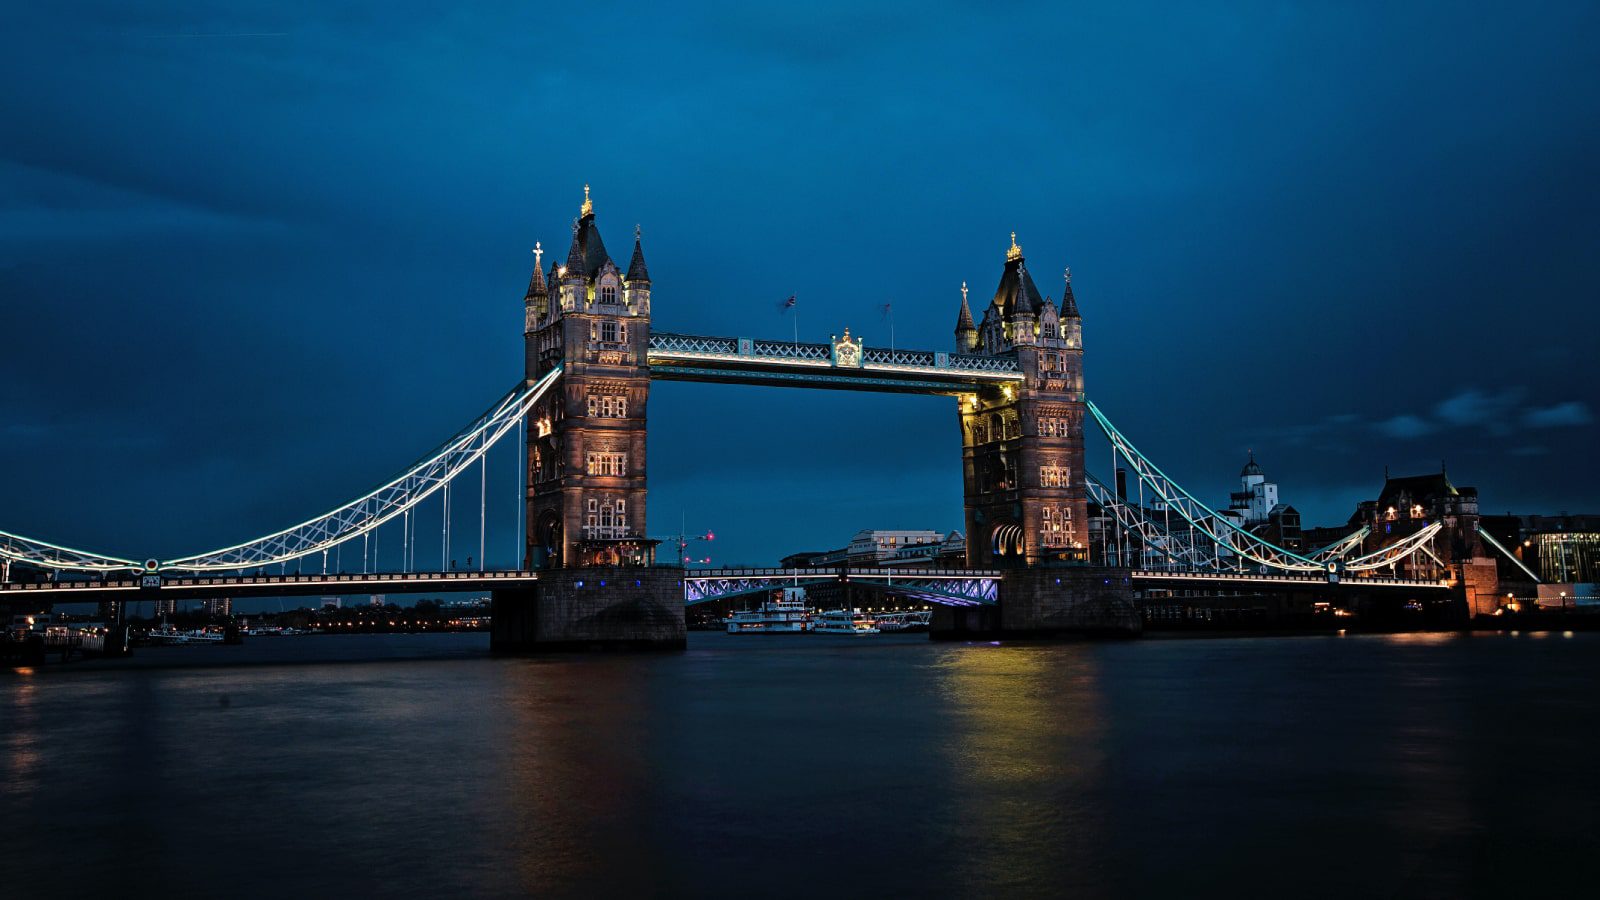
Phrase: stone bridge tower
{"type": "Point", "coordinates": [1022, 447]}
{"type": "Point", "coordinates": [586, 439]}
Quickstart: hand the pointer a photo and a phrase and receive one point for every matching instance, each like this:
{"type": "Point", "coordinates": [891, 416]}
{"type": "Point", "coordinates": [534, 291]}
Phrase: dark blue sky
{"type": "Point", "coordinates": [254, 259]}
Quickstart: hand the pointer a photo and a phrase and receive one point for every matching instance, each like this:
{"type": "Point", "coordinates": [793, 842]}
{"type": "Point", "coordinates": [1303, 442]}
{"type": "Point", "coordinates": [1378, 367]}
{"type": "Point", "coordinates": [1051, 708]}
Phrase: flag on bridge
{"type": "Point", "coordinates": [786, 305]}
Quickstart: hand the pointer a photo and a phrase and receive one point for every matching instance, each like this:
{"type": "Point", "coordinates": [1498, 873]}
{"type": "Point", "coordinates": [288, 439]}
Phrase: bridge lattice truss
{"type": "Point", "coordinates": [1203, 540]}
{"type": "Point", "coordinates": [352, 520]}
{"type": "Point", "coordinates": [1199, 539]}
{"type": "Point", "coordinates": [950, 587]}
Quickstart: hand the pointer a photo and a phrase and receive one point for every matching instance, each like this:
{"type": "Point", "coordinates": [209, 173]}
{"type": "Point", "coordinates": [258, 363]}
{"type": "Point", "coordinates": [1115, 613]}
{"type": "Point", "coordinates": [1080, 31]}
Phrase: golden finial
{"type": "Point", "coordinates": [588, 205]}
{"type": "Point", "coordinates": [1015, 252]}
{"type": "Point", "coordinates": [538, 256]}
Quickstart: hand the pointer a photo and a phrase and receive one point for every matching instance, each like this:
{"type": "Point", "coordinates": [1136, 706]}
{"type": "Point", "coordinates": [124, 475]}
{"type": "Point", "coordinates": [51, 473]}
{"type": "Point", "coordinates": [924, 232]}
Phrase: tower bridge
{"type": "Point", "coordinates": [588, 574]}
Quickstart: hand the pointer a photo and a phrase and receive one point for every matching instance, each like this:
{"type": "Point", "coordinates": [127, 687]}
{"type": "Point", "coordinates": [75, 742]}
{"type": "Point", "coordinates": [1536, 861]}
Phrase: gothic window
{"type": "Point", "coordinates": [606, 463]}
{"type": "Point", "coordinates": [608, 293]}
{"type": "Point", "coordinates": [608, 332]}
{"type": "Point", "coordinates": [980, 434]}
{"type": "Point", "coordinates": [1055, 526]}
{"type": "Point", "coordinates": [1053, 476]}
{"type": "Point", "coordinates": [607, 518]}
{"type": "Point", "coordinates": [1049, 329]}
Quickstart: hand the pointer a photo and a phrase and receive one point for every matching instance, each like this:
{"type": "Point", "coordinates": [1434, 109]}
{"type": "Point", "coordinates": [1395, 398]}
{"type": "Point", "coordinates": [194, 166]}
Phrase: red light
{"type": "Point", "coordinates": [710, 536]}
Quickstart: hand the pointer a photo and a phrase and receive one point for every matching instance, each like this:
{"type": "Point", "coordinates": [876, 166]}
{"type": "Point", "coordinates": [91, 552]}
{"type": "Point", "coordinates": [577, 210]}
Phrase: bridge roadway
{"type": "Point", "coordinates": [692, 357]}
{"type": "Point", "coordinates": [953, 586]}
{"type": "Point", "coordinates": [1201, 580]}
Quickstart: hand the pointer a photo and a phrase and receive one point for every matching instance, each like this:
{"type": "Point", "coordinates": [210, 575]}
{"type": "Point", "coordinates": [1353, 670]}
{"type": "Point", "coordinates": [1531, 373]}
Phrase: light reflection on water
{"type": "Point", "coordinates": [796, 766]}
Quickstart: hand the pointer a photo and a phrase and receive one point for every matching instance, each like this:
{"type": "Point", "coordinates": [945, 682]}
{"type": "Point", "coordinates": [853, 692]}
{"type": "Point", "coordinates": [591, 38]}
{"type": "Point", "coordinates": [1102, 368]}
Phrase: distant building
{"type": "Point", "coordinates": [219, 606]}
{"type": "Point", "coordinates": [1256, 509]}
{"type": "Point", "coordinates": [879, 548]}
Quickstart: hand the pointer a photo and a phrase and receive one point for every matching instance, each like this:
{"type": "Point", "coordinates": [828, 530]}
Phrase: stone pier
{"type": "Point", "coordinates": [591, 609]}
{"type": "Point", "coordinates": [1049, 602]}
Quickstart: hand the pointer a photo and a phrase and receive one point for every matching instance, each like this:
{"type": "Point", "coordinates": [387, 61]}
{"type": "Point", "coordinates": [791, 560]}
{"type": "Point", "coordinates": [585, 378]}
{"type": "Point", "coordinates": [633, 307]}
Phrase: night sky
{"type": "Point", "coordinates": [255, 259]}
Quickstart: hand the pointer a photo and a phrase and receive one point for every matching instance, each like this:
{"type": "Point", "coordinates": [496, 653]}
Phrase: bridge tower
{"type": "Point", "coordinates": [586, 440]}
{"type": "Point", "coordinates": [1022, 447]}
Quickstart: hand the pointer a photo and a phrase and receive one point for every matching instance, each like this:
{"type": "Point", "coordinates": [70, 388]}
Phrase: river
{"type": "Point", "coordinates": [1412, 765]}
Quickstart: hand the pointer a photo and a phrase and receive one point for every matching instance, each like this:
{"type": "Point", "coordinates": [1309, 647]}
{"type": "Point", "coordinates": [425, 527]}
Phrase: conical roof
{"type": "Point", "coordinates": [636, 267]}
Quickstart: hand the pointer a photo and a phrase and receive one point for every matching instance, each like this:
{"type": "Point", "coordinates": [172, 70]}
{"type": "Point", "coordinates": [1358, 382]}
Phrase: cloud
{"type": "Point", "coordinates": [1405, 425]}
{"type": "Point", "coordinates": [1573, 413]}
{"type": "Point", "coordinates": [1495, 413]}
{"type": "Point", "coordinates": [1474, 407]}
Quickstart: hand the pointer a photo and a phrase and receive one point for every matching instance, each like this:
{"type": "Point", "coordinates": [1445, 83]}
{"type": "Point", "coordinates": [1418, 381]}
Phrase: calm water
{"type": "Point", "coordinates": [1406, 766]}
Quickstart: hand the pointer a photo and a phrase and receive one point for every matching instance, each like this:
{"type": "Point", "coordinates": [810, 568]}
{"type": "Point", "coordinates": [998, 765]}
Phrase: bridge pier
{"type": "Point", "coordinates": [1043, 602]}
{"type": "Point", "coordinates": [591, 609]}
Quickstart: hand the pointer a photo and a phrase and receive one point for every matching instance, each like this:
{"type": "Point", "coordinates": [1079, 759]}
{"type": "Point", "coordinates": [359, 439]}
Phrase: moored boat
{"type": "Point", "coordinates": [844, 621]}
{"type": "Point", "coordinates": [784, 613]}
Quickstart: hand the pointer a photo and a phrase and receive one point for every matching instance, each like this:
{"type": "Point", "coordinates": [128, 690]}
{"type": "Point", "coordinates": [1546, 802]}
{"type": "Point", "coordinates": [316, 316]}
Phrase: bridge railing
{"type": "Point", "coordinates": [838, 571]}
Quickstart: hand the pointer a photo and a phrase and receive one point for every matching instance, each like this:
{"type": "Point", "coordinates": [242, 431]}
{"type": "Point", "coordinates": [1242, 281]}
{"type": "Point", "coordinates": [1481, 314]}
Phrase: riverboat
{"type": "Point", "coordinates": [783, 613]}
{"type": "Point", "coordinates": [844, 621]}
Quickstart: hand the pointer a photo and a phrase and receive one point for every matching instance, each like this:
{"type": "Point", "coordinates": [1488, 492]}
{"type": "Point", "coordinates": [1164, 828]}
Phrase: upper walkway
{"type": "Point", "coordinates": [689, 357]}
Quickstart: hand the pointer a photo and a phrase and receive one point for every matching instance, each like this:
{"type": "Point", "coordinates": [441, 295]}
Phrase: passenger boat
{"type": "Point", "coordinates": [783, 613]}
{"type": "Point", "coordinates": [844, 621]}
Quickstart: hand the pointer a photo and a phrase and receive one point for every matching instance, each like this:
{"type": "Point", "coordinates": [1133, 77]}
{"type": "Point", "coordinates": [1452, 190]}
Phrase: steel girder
{"type": "Point", "coordinates": [1226, 534]}
{"type": "Point", "coordinates": [391, 499]}
{"type": "Point", "coordinates": [45, 555]}
{"type": "Point", "coordinates": [950, 587]}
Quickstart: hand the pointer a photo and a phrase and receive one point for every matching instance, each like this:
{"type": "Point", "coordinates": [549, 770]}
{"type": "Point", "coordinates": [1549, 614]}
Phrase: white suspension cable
{"type": "Point", "coordinates": [394, 498]}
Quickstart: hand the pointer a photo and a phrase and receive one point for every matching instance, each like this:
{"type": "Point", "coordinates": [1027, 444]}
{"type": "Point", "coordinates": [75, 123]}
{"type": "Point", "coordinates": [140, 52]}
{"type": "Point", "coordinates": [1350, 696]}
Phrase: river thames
{"type": "Point", "coordinates": [1413, 765]}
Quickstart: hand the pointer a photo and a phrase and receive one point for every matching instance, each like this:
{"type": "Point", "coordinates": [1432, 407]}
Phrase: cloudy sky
{"type": "Point", "coordinates": [254, 259]}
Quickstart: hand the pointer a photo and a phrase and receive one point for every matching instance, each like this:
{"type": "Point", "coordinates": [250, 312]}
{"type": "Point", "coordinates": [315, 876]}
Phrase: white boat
{"type": "Point", "coordinates": [844, 621]}
{"type": "Point", "coordinates": [784, 613]}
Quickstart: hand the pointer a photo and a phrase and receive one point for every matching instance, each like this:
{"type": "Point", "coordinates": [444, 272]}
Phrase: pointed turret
{"type": "Point", "coordinates": [536, 303]}
{"type": "Point", "coordinates": [574, 267]}
{"type": "Point", "coordinates": [636, 266]}
{"type": "Point", "coordinates": [536, 284]}
{"type": "Point", "coordinates": [966, 331]}
{"type": "Point", "coordinates": [1069, 303]}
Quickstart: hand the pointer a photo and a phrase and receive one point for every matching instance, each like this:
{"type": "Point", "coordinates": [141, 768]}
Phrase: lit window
{"type": "Point", "coordinates": [606, 464]}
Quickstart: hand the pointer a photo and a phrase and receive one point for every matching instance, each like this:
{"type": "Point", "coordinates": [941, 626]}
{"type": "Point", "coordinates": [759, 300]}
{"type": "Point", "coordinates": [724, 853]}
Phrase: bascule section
{"type": "Point", "coordinates": [586, 441]}
{"type": "Point", "coordinates": [1022, 442]}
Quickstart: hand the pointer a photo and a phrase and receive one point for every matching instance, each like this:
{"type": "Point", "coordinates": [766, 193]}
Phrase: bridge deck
{"type": "Point", "coordinates": [687, 357]}
{"type": "Point", "coordinates": [1235, 579]}
{"type": "Point", "coordinates": [166, 587]}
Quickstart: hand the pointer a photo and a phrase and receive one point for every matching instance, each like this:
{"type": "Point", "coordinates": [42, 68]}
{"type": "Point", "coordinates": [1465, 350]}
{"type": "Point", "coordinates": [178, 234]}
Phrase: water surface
{"type": "Point", "coordinates": [418, 766]}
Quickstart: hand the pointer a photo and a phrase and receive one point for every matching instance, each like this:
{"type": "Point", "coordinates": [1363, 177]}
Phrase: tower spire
{"type": "Point", "coordinates": [966, 331]}
{"type": "Point", "coordinates": [536, 285]}
{"type": "Point", "coordinates": [636, 267]}
{"type": "Point", "coordinates": [1069, 303]}
{"type": "Point", "coordinates": [587, 208]}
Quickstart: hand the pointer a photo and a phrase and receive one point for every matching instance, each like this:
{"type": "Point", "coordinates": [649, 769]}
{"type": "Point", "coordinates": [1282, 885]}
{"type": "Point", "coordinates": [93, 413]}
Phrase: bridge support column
{"type": "Point", "coordinates": [591, 609]}
{"type": "Point", "coordinates": [1051, 602]}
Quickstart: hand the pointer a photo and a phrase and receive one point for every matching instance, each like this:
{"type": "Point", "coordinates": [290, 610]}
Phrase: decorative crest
{"type": "Point", "coordinates": [1015, 252]}
{"type": "Point", "coordinates": [588, 205]}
